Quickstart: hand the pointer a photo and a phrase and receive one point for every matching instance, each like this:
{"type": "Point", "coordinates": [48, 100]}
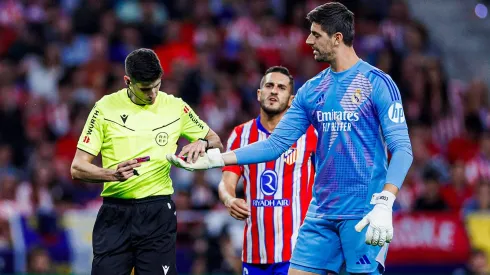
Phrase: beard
{"type": "Point", "coordinates": [325, 57]}
{"type": "Point", "coordinates": [273, 110]}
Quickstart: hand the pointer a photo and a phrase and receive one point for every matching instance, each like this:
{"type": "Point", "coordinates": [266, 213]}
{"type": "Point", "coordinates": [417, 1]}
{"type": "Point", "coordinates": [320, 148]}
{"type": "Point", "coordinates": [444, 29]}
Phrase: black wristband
{"type": "Point", "coordinates": [207, 142]}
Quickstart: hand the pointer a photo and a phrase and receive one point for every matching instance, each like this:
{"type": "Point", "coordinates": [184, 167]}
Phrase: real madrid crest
{"type": "Point", "coordinates": [357, 97]}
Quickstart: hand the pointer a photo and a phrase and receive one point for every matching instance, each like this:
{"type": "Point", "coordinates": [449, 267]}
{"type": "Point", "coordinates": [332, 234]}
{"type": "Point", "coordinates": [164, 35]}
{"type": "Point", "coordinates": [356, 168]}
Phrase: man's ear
{"type": "Point", "coordinates": [259, 91]}
{"type": "Point", "coordinates": [338, 38]}
{"type": "Point", "coordinates": [127, 80]}
{"type": "Point", "coordinates": [290, 102]}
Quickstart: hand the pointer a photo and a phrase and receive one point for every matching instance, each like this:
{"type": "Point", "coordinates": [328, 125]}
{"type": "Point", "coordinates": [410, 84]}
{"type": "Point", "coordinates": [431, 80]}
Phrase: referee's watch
{"type": "Point", "coordinates": [207, 143]}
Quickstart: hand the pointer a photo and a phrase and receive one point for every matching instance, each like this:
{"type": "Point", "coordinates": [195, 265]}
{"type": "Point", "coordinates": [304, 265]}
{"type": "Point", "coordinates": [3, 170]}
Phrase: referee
{"type": "Point", "coordinates": [136, 225]}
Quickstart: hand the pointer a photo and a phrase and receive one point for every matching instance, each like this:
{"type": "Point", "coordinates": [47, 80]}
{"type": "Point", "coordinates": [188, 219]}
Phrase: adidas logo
{"type": "Point", "coordinates": [320, 100]}
{"type": "Point", "coordinates": [363, 260]}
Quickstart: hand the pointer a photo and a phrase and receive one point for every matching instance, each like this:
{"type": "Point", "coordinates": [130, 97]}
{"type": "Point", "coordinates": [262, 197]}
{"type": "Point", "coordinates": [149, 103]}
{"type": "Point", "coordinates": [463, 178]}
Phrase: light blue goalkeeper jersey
{"type": "Point", "coordinates": [358, 114]}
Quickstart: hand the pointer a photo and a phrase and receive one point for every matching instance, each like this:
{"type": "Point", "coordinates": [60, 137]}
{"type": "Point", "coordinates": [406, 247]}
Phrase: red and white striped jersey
{"type": "Point", "coordinates": [477, 170]}
{"type": "Point", "coordinates": [277, 192]}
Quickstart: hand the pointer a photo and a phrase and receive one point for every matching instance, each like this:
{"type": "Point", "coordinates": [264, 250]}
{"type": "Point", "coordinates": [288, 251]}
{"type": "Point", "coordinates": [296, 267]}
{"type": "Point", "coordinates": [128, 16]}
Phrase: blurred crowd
{"type": "Point", "coordinates": [57, 58]}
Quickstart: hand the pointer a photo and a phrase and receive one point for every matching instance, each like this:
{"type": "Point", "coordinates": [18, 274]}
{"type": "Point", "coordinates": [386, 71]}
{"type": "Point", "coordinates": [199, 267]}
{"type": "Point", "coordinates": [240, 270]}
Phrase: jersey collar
{"type": "Point", "coordinates": [339, 76]}
{"type": "Point", "coordinates": [260, 126]}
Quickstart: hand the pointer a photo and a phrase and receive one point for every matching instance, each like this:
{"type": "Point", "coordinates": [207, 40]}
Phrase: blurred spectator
{"type": "Point", "coordinates": [8, 189]}
{"type": "Point", "coordinates": [34, 195]}
{"type": "Point", "coordinates": [466, 146]}
{"type": "Point", "coordinates": [177, 47]}
{"type": "Point", "coordinates": [480, 202]}
{"type": "Point", "coordinates": [39, 262]}
{"type": "Point", "coordinates": [5, 239]}
{"type": "Point", "coordinates": [76, 46]}
{"type": "Point", "coordinates": [457, 191]}
{"type": "Point", "coordinates": [203, 197]}
{"type": "Point", "coordinates": [430, 199]}
{"type": "Point", "coordinates": [12, 128]}
{"type": "Point", "coordinates": [478, 168]}
{"type": "Point", "coordinates": [6, 164]}
{"type": "Point", "coordinates": [476, 100]}
{"type": "Point", "coordinates": [43, 75]}
{"type": "Point", "coordinates": [441, 105]}
{"type": "Point", "coordinates": [394, 26]}
{"type": "Point", "coordinates": [477, 264]}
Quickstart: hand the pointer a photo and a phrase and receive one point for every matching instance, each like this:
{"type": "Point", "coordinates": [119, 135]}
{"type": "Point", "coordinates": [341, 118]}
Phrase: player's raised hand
{"type": "Point", "coordinates": [238, 208]}
{"type": "Point", "coordinates": [211, 159]}
{"type": "Point", "coordinates": [125, 169]}
{"type": "Point", "coordinates": [380, 220]}
{"type": "Point", "coordinates": [193, 151]}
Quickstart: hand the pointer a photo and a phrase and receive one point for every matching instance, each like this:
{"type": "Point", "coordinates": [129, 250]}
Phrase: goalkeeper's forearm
{"type": "Point", "coordinates": [229, 158]}
{"type": "Point", "coordinates": [259, 152]}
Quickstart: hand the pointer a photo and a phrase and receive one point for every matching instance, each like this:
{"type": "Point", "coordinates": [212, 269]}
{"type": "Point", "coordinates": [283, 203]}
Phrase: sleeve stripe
{"type": "Point", "coordinates": [395, 95]}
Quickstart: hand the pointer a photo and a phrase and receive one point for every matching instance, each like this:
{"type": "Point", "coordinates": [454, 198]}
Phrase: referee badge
{"type": "Point", "coordinates": [290, 156]}
{"type": "Point", "coordinates": [357, 97]}
{"type": "Point", "coordinates": [161, 139]}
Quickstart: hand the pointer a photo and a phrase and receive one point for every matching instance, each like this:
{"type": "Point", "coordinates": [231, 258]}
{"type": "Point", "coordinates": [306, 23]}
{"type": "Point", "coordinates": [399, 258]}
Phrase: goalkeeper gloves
{"type": "Point", "coordinates": [211, 159]}
{"type": "Point", "coordinates": [380, 230]}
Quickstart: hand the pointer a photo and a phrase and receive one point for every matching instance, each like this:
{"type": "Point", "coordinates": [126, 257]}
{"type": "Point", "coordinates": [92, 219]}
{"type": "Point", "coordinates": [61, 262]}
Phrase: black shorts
{"type": "Point", "coordinates": [139, 233]}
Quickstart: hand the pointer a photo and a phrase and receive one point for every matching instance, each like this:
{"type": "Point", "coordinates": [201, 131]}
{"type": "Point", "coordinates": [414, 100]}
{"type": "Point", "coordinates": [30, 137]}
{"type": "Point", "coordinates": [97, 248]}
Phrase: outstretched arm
{"type": "Point", "coordinates": [291, 127]}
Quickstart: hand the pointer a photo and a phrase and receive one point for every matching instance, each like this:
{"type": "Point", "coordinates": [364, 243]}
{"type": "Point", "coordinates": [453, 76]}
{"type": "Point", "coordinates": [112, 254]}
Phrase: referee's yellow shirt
{"type": "Point", "coordinates": [121, 130]}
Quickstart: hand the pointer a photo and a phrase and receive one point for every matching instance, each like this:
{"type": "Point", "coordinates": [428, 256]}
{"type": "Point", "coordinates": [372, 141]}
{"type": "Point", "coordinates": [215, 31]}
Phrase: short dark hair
{"type": "Point", "coordinates": [282, 70]}
{"type": "Point", "coordinates": [143, 65]}
{"type": "Point", "coordinates": [334, 17]}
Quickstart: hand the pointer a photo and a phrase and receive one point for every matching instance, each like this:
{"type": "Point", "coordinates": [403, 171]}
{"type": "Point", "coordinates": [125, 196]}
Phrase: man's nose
{"type": "Point", "coordinates": [309, 40]}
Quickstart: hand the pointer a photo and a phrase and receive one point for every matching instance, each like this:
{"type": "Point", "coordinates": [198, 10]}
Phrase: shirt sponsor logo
{"type": "Point", "coordinates": [92, 122]}
{"type": "Point", "coordinates": [86, 139]}
{"type": "Point", "coordinates": [268, 182]}
{"type": "Point", "coordinates": [337, 121]}
{"type": "Point", "coordinates": [196, 121]}
{"type": "Point", "coordinates": [269, 185]}
{"type": "Point", "coordinates": [395, 113]}
{"type": "Point", "coordinates": [271, 203]}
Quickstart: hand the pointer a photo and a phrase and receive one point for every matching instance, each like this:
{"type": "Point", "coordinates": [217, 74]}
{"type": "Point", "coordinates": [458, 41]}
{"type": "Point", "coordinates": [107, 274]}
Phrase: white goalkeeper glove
{"type": "Point", "coordinates": [380, 220]}
{"type": "Point", "coordinates": [211, 159]}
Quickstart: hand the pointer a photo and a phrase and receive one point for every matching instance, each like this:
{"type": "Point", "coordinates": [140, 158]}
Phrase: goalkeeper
{"type": "Point", "coordinates": [358, 113]}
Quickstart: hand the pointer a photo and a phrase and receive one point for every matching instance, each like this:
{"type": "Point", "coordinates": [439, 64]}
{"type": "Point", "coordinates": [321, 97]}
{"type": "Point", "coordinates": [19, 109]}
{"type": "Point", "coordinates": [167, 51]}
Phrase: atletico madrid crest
{"type": "Point", "coordinates": [290, 156]}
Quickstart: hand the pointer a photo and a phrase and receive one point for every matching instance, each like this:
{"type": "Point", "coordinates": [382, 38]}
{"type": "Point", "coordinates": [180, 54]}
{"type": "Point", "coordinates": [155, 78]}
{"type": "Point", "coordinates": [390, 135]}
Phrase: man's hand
{"type": "Point", "coordinates": [380, 220]}
{"type": "Point", "coordinates": [194, 150]}
{"type": "Point", "coordinates": [237, 208]}
{"type": "Point", "coordinates": [211, 159]}
{"type": "Point", "coordinates": [125, 170]}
